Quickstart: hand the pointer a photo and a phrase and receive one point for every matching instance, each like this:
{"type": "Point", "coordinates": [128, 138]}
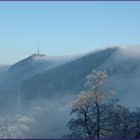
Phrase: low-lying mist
{"type": "Point", "coordinates": [42, 118]}
{"type": "Point", "coordinates": [47, 115]}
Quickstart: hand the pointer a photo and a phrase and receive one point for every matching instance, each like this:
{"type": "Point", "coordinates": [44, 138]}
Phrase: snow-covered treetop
{"type": "Point", "coordinates": [96, 79]}
{"type": "Point", "coordinates": [95, 93]}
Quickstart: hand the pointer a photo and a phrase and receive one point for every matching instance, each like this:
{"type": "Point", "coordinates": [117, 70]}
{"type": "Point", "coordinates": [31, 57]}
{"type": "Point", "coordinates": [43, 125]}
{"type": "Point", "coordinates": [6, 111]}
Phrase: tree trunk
{"type": "Point", "coordinates": [98, 121]}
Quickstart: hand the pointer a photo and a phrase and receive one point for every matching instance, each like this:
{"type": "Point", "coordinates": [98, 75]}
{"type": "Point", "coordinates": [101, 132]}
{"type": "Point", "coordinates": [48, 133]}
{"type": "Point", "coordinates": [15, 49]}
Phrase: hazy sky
{"type": "Point", "coordinates": [64, 28]}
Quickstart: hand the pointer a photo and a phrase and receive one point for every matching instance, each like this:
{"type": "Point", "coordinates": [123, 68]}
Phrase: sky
{"type": "Point", "coordinates": [65, 28]}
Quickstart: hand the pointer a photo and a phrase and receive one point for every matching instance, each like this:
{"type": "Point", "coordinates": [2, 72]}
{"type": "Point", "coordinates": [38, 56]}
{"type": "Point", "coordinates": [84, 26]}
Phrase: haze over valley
{"type": "Point", "coordinates": [70, 70]}
{"type": "Point", "coordinates": [39, 87]}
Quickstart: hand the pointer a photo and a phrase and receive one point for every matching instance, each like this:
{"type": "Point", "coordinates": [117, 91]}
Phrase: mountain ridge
{"type": "Point", "coordinates": [48, 77]}
{"type": "Point", "coordinates": [122, 66]}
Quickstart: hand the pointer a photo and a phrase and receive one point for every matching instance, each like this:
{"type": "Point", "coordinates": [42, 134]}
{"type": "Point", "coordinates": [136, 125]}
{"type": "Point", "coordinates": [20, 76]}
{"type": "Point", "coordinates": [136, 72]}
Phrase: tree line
{"type": "Point", "coordinates": [97, 113]}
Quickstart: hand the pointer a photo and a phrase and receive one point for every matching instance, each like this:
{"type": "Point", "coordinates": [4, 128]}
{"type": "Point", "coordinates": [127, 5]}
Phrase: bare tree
{"type": "Point", "coordinates": [98, 115]}
{"type": "Point", "coordinates": [90, 107]}
{"type": "Point", "coordinates": [95, 82]}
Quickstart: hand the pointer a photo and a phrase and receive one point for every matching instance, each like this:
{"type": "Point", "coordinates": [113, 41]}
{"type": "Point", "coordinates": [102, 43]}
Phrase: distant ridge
{"type": "Point", "coordinates": [26, 60]}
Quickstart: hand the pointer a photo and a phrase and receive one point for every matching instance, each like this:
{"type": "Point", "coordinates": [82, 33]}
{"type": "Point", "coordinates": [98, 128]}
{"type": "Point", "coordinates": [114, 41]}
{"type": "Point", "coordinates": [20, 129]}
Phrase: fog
{"type": "Point", "coordinates": [124, 74]}
{"type": "Point", "coordinates": [36, 119]}
{"type": "Point", "coordinates": [47, 116]}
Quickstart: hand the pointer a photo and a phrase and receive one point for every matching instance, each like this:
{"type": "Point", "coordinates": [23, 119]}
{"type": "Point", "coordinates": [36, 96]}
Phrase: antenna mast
{"type": "Point", "coordinates": [38, 48]}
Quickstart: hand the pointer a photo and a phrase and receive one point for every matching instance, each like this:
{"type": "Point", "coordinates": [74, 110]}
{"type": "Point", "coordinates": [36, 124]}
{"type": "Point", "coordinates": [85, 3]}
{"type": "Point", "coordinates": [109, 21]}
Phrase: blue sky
{"type": "Point", "coordinates": [65, 28]}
